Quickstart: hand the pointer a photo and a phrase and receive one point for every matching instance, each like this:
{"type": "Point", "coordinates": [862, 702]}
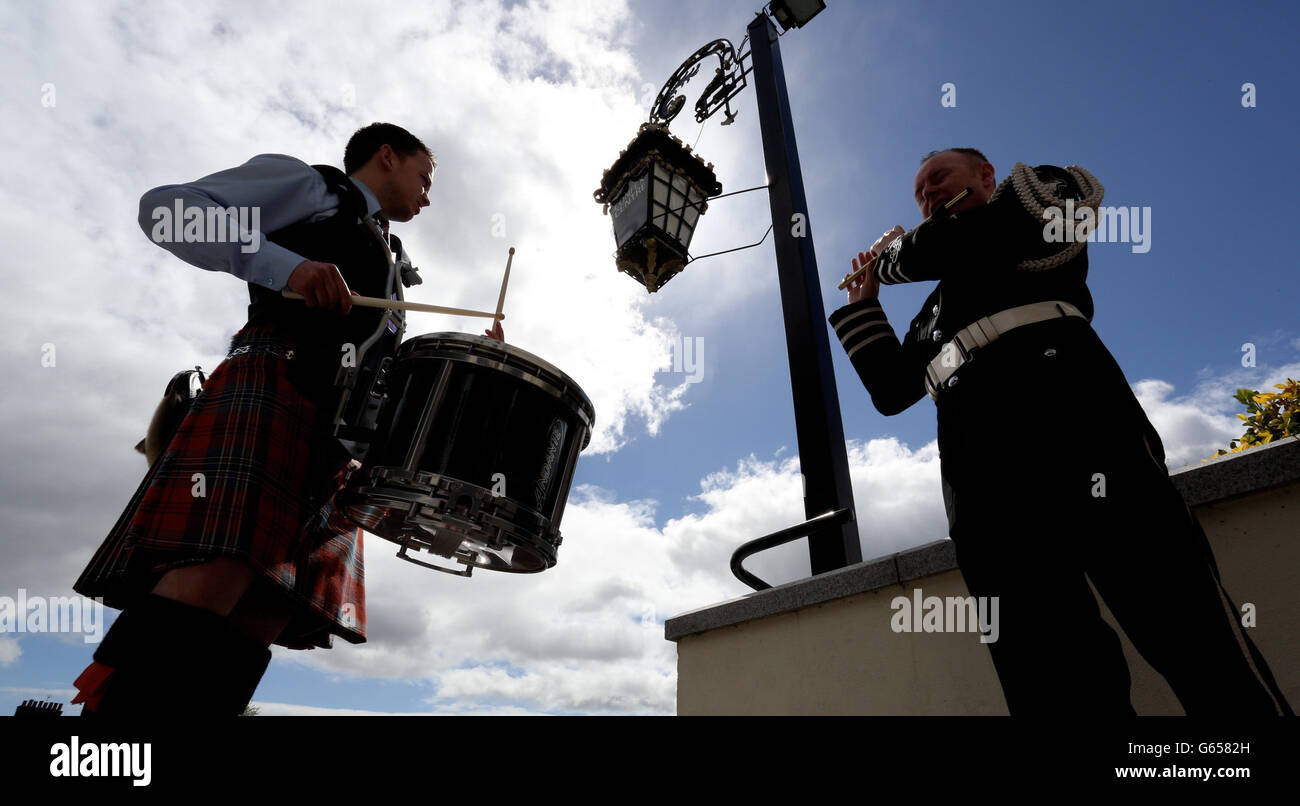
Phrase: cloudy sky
{"type": "Point", "coordinates": [525, 105]}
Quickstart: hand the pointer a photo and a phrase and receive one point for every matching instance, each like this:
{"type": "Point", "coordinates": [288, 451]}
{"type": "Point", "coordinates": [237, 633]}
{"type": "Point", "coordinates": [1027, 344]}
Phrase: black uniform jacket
{"type": "Point", "coordinates": [1051, 382]}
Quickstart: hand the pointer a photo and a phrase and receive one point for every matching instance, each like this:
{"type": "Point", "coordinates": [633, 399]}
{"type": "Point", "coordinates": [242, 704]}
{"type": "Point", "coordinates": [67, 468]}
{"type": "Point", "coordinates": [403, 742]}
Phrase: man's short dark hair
{"type": "Point", "coordinates": [976, 156]}
{"type": "Point", "coordinates": [368, 139]}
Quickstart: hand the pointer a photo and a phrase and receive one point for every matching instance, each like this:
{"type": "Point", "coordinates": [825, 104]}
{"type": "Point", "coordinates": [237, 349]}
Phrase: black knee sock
{"type": "Point", "coordinates": [173, 658]}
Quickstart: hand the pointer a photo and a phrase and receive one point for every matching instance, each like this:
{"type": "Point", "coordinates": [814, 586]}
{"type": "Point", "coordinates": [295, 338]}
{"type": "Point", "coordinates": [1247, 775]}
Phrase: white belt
{"type": "Point", "coordinates": [984, 332]}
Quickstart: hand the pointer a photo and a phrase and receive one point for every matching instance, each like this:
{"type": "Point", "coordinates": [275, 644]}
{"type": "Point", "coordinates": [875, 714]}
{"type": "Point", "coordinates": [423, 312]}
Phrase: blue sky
{"type": "Point", "coordinates": [525, 107]}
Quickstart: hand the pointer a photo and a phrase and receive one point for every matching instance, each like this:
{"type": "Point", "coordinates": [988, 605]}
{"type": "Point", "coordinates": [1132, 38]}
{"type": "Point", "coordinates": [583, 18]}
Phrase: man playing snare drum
{"type": "Point", "coordinates": [232, 543]}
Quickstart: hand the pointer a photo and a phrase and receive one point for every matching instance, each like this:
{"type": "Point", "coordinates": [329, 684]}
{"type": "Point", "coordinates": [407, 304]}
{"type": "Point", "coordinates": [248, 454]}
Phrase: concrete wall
{"type": "Point", "coordinates": [824, 645]}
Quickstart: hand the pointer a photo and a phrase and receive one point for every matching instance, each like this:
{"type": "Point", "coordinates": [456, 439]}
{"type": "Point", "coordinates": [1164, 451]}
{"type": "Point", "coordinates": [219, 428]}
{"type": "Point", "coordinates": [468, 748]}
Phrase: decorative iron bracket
{"type": "Point", "coordinates": [728, 80]}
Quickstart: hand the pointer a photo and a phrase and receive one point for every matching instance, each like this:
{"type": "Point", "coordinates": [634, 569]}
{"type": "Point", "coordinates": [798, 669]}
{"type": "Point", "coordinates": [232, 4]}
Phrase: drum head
{"type": "Point", "coordinates": [518, 363]}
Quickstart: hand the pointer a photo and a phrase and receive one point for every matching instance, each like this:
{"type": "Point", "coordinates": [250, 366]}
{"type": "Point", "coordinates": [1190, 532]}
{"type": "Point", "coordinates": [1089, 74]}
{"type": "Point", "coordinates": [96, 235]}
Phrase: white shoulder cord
{"type": "Point", "coordinates": [1035, 196]}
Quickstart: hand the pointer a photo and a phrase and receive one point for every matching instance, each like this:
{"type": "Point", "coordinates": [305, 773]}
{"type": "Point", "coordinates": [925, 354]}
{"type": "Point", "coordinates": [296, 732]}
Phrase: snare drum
{"type": "Point", "coordinates": [475, 447]}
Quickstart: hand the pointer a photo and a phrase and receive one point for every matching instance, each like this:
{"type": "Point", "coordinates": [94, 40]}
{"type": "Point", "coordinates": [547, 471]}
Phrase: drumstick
{"type": "Point", "coordinates": [848, 278]}
{"type": "Point", "coordinates": [375, 302]}
{"type": "Point", "coordinates": [501, 300]}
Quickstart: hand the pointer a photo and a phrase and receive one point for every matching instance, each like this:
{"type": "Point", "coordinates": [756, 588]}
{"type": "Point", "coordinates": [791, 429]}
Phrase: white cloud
{"type": "Point", "coordinates": [289, 709]}
{"type": "Point", "coordinates": [10, 651]}
{"type": "Point", "coordinates": [896, 495]}
{"type": "Point", "coordinates": [586, 635]}
{"type": "Point", "coordinates": [1194, 426]}
{"type": "Point", "coordinates": [30, 692]}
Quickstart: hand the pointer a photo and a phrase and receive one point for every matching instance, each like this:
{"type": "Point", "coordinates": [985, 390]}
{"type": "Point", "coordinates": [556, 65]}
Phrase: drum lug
{"type": "Point", "coordinates": [461, 497]}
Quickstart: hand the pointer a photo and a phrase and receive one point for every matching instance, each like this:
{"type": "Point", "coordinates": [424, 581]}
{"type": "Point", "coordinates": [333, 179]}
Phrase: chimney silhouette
{"type": "Point", "coordinates": [39, 708]}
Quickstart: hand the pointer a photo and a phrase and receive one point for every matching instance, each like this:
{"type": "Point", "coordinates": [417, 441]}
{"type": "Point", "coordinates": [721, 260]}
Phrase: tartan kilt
{"type": "Point", "coordinates": [269, 474]}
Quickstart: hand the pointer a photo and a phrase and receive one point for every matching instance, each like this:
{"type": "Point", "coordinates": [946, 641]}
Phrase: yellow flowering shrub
{"type": "Point", "coordinates": [1269, 416]}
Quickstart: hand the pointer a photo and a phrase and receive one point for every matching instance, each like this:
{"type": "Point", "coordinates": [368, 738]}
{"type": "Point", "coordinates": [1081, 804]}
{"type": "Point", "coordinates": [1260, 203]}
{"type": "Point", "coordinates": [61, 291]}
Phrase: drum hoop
{"type": "Point", "coordinates": [559, 385]}
{"type": "Point", "coordinates": [426, 488]}
{"type": "Point", "coordinates": [420, 490]}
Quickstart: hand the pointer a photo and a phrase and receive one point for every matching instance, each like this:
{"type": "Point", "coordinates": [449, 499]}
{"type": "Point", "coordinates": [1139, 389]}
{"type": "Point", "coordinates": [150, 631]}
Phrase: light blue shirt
{"type": "Point", "coordinates": [283, 190]}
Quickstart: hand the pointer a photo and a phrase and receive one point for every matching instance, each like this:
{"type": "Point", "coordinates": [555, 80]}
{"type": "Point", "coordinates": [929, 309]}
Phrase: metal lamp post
{"type": "Point", "coordinates": [828, 496]}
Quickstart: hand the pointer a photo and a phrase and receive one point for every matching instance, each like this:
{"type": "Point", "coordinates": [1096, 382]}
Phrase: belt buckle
{"type": "Point", "coordinates": [933, 383]}
{"type": "Point", "coordinates": [936, 379]}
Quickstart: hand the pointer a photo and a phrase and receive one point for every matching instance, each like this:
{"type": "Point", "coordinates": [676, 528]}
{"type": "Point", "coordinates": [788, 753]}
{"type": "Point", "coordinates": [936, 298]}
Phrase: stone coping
{"type": "Point", "coordinates": [1220, 479]}
{"type": "Point", "coordinates": [1237, 474]}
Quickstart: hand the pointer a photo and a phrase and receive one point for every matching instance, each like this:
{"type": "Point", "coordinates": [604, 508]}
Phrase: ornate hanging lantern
{"type": "Point", "coordinates": [655, 193]}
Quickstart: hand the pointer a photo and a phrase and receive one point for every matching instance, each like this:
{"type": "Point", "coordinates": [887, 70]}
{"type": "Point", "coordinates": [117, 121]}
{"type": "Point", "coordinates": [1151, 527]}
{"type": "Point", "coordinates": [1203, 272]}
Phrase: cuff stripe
{"type": "Point", "coordinates": [868, 341]}
{"type": "Point", "coordinates": [844, 322]}
{"type": "Point", "coordinates": [847, 337]}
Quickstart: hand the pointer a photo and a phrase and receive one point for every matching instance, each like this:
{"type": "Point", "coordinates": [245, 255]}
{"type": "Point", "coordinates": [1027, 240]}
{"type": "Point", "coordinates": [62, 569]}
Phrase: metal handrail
{"type": "Point", "coordinates": [787, 535]}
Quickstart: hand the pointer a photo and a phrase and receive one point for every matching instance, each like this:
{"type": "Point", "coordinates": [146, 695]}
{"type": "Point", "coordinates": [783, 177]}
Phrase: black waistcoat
{"type": "Point", "coordinates": [345, 240]}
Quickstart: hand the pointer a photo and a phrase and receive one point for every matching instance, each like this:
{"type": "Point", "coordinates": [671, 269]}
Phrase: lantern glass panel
{"type": "Point", "coordinates": [631, 209]}
{"type": "Point", "coordinates": [689, 215]}
{"type": "Point", "coordinates": [675, 204]}
{"type": "Point", "coordinates": [663, 174]}
{"type": "Point", "coordinates": [686, 233]}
